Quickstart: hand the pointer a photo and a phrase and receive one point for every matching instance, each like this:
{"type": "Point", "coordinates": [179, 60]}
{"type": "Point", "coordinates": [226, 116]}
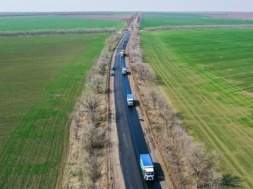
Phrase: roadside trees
{"type": "Point", "coordinates": [96, 83]}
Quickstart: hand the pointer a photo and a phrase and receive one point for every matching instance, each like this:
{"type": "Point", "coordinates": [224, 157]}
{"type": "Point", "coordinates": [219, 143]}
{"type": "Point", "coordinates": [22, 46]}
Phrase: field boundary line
{"type": "Point", "coordinates": [56, 32]}
{"type": "Point", "coordinates": [187, 27]}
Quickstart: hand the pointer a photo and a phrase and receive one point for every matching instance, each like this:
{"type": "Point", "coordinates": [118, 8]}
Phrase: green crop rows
{"type": "Point", "coordinates": [179, 19]}
{"type": "Point", "coordinates": [23, 23]}
{"type": "Point", "coordinates": [41, 78]}
{"type": "Point", "coordinates": [207, 74]}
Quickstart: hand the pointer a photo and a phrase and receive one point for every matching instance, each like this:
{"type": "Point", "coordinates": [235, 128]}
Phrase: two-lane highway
{"type": "Point", "coordinates": [130, 134]}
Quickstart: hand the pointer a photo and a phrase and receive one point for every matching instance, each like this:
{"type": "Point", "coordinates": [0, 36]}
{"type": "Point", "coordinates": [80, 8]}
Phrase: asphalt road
{"type": "Point", "coordinates": [130, 134]}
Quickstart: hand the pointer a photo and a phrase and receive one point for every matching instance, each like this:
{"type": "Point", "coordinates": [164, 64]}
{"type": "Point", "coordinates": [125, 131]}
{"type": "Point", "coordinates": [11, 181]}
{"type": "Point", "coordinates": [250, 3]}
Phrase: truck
{"type": "Point", "coordinates": [112, 67]}
{"type": "Point", "coordinates": [147, 167]}
{"type": "Point", "coordinates": [130, 99]}
{"type": "Point", "coordinates": [122, 53]}
{"type": "Point", "coordinates": [124, 71]}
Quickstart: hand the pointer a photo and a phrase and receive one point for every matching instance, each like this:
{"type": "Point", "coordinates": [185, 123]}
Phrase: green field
{"type": "Point", "coordinates": [41, 78]}
{"type": "Point", "coordinates": [181, 19]}
{"type": "Point", "coordinates": [25, 23]}
{"type": "Point", "coordinates": [207, 75]}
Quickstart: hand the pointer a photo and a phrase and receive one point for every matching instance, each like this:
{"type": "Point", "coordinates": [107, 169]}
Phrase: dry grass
{"type": "Point", "coordinates": [87, 163]}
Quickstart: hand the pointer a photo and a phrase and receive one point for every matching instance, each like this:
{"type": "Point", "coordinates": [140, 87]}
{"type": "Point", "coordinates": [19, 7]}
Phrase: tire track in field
{"type": "Point", "coordinates": [154, 54]}
{"type": "Point", "coordinates": [186, 102]}
{"type": "Point", "coordinates": [237, 91]}
{"type": "Point", "coordinates": [59, 119]}
{"type": "Point", "coordinates": [224, 86]}
{"type": "Point", "coordinates": [42, 131]}
{"type": "Point", "coordinates": [70, 87]}
{"type": "Point", "coordinates": [240, 76]}
{"type": "Point", "coordinates": [37, 141]}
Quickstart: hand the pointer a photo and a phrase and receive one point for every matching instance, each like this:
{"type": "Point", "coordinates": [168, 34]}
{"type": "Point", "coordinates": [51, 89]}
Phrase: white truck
{"type": "Point", "coordinates": [130, 99]}
{"type": "Point", "coordinates": [122, 53]}
{"type": "Point", "coordinates": [147, 167]}
{"type": "Point", "coordinates": [124, 71]}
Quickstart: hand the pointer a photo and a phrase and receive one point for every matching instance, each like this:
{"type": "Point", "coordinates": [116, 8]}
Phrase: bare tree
{"type": "Point", "coordinates": [94, 168]}
{"type": "Point", "coordinates": [91, 103]}
{"type": "Point", "coordinates": [150, 76]}
{"type": "Point", "coordinates": [153, 94]}
{"type": "Point", "coordinates": [96, 83]}
{"type": "Point", "coordinates": [201, 164]}
{"type": "Point", "coordinates": [145, 74]}
{"type": "Point", "coordinates": [109, 43]}
{"type": "Point", "coordinates": [112, 41]}
{"type": "Point", "coordinates": [102, 67]}
{"type": "Point", "coordinates": [140, 71]}
{"type": "Point", "coordinates": [103, 56]}
{"type": "Point", "coordinates": [161, 102]}
{"type": "Point", "coordinates": [95, 139]}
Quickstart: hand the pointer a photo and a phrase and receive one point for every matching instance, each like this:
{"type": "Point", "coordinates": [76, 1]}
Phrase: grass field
{"type": "Point", "coordinates": [41, 78]}
{"type": "Point", "coordinates": [207, 74]}
{"type": "Point", "coordinates": [179, 19]}
{"type": "Point", "coordinates": [25, 23]}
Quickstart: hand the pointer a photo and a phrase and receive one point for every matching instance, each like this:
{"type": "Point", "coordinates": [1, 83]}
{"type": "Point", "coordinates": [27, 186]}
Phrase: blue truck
{"type": "Point", "coordinates": [147, 167]}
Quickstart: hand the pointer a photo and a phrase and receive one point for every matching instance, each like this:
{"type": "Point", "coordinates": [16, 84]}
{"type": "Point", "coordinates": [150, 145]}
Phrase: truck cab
{"type": "Point", "coordinates": [130, 99]}
{"type": "Point", "coordinates": [122, 53]}
{"type": "Point", "coordinates": [147, 167]}
{"type": "Point", "coordinates": [112, 67]}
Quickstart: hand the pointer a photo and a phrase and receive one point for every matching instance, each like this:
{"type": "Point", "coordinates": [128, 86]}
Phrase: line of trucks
{"type": "Point", "coordinates": [130, 97]}
{"type": "Point", "coordinates": [146, 162]}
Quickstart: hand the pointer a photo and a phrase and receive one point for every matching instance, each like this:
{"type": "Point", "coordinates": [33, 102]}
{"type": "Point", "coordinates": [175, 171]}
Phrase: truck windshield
{"type": "Point", "coordinates": [149, 173]}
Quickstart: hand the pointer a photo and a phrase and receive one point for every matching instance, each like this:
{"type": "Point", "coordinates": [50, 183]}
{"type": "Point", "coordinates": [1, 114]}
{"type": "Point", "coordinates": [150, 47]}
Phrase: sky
{"type": "Point", "coordinates": [125, 5]}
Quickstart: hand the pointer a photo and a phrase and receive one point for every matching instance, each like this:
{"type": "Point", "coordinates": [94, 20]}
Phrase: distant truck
{"type": "Point", "coordinates": [111, 73]}
{"type": "Point", "coordinates": [147, 167]}
{"type": "Point", "coordinates": [130, 99]}
{"type": "Point", "coordinates": [122, 53]}
{"type": "Point", "coordinates": [112, 67]}
{"type": "Point", "coordinates": [124, 71]}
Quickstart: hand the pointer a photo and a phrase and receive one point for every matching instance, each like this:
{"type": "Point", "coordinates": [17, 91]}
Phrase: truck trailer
{"type": "Point", "coordinates": [130, 99]}
{"type": "Point", "coordinates": [147, 167]}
